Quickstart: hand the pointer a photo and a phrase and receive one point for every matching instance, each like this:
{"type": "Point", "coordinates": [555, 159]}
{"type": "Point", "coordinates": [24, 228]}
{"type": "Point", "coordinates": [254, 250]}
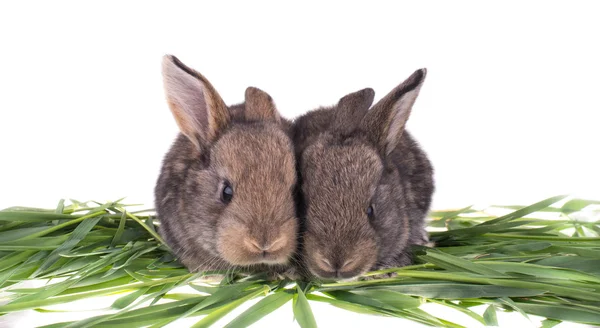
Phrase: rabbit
{"type": "Point", "coordinates": [366, 185]}
{"type": "Point", "coordinates": [225, 194]}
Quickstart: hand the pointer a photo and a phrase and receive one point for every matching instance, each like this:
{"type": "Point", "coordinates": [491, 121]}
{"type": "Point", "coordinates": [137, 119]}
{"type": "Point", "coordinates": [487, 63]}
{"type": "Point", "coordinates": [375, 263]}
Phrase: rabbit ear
{"type": "Point", "coordinates": [260, 106]}
{"type": "Point", "coordinates": [198, 109]}
{"type": "Point", "coordinates": [386, 120]}
{"type": "Point", "coordinates": [350, 110]}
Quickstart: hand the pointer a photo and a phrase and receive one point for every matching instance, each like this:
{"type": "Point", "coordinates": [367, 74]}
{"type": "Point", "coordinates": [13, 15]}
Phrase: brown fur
{"type": "Point", "coordinates": [247, 146]}
{"type": "Point", "coordinates": [351, 157]}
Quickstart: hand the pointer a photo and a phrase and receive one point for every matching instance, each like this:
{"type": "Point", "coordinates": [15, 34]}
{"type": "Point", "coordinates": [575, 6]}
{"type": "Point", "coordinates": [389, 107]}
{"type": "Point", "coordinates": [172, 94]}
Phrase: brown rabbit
{"type": "Point", "coordinates": [224, 196]}
{"type": "Point", "coordinates": [366, 184]}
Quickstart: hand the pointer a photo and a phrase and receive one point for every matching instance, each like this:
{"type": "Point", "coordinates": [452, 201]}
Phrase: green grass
{"type": "Point", "coordinates": [521, 261]}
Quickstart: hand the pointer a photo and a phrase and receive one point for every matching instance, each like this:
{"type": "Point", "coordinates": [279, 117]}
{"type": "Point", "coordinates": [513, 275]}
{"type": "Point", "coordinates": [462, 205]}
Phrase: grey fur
{"type": "Point", "coordinates": [349, 158]}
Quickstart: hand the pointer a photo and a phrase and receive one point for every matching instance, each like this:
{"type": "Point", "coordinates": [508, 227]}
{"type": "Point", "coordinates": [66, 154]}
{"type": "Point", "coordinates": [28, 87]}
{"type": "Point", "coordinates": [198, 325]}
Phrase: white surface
{"type": "Point", "coordinates": [508, 114]}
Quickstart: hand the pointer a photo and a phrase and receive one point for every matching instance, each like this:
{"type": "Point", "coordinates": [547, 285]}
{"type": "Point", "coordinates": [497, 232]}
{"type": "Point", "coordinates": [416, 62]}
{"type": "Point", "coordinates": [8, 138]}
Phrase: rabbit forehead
{"type": "Point", "coordinates": [344, 171]}
{"type": "Point", "coordinates": [255, 156]}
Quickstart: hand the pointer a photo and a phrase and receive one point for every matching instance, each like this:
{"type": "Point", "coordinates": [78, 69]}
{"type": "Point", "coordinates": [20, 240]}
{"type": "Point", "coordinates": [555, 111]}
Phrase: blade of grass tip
{"type": "Point", "coordinates": [150, 223]}
{"type": "Point", "coordinates": [162, 292]}
{"type": "Point", "coordinates": [137, 255]}
{"type": "Point", "coordinates": [120, 230]}
{"type": "Point", "coordinates": [121, 260]}
{"type": "Point", "coordinates": [151, 231]}
{"type": "Point", "coordinates": [525, 210]}
{"type": "Point", "coordinates": [118, 201]}
{"type": "Point", "coordinates": [78, 203]}
{"type": "Point", "coordinates": [440, 258]}
{"type": "Point", "coordinates": [260, 309]}
{"type": "Point", "coordinates": [78, 234]}
{"type": "Point", "coordinates": [126, 300]}
{"type": "Point", "coordinates": [223, 294]}
{"type": "Point", "coordinates": [549, 323]}
{"type": "Point", "coordinates": [137, 276]}
{"type": "Point", "coordinates": [219, 313]}
{"type": "Point", "coordinates": [442, 215]}
{"type": "Point", "coordinates": [302, 311]}
{"type": "Point", "coordinates": [489, 316]}
{"type": "Point", "coordinates": [422, 316]}
{"type": "Point", "coordinates": [450, 324]}
{"type": "Point", "coordinates": [60, 208]}
{"type": "Point", "coordinates": [459, 308]}
{"type": "Point", "coordinates": [508, 302]}
{"type": "Point", "coordinates": [466, 233]}
{"type": "Point", "coordinates": [205, 289]}
{"type": "Point", "coordinates": [575, 205]}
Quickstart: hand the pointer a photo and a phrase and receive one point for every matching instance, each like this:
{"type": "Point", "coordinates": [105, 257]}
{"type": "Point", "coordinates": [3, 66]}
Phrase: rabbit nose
{"type": "Point", "coordinates": [342, 270]}
{"type": "Point", "coordinates": [336, 269]}
{"type": "Point", "coordinates": [265, 246]}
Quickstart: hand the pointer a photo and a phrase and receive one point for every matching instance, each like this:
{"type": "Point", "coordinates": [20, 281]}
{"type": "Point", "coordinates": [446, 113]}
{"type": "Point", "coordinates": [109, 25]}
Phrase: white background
{"type": "Point", "coordinates": [508, 113]}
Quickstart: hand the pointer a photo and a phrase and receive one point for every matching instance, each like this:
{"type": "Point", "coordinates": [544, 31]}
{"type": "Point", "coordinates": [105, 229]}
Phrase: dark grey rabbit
{"type": "Point", "coordinates": [224, 196]}
{"type": "Point", "coordinates": [366, 184]}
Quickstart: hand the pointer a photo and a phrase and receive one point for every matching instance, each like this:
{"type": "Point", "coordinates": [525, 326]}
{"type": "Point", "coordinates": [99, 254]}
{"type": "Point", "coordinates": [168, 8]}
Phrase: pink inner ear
{"type": "Point", "coordinates": [386, 120]}
{"type": "Point", "coordinates": [401, 112]}
{"type": "Point", "coordinates": [186, 96]}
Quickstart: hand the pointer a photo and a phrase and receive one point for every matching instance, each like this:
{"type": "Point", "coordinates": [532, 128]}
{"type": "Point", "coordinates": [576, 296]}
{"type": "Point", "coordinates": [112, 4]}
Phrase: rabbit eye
{"type": "Point", "coordinates": [226, 193]}
{"type": "Point", "coordinates": [370, 211]}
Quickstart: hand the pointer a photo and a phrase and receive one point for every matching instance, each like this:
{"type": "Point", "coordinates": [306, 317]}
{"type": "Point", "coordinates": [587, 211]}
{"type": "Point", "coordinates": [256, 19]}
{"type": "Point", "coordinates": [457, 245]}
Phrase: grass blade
{"type": "Point", "coordinates": [120, 229]}
{"type": "Point", "coordinates": [302, 311]}
{"type": "Point", "coordinates": [519, 262]}
{"type": "Point", "coordinates": [260, 309]}
{"type": "Point", "coordinates": [217, 314]}
{"type": "Point", "coordinates": [489, 316]}
{"type": "Point", "coordinates": [126, 300]}
{"type": "Point", "coordinates": [78, 234]}
{"type": "Point", "coordinates": [562, 313]}
{"type": "Point", "coordinates": [391, 298]}
{"type": "Point", "coordinates": [526, 210]}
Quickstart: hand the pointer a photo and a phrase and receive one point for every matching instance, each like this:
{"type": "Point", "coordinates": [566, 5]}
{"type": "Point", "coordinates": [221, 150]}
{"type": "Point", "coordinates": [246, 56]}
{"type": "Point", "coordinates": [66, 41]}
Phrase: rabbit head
{"type": "Point", "coordinates": [225, 193]}
{"type": "Point", "coordinates": [356, 213]}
